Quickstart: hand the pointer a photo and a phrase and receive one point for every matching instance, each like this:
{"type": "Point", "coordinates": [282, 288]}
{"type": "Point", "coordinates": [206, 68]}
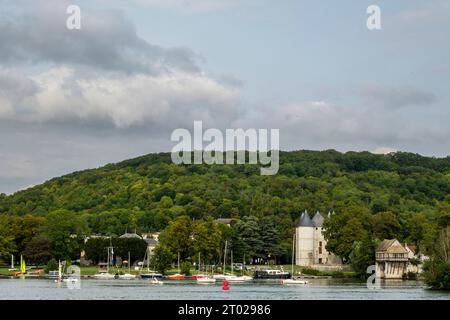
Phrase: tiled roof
{"type": "Point", "coordinates": [391, 246]}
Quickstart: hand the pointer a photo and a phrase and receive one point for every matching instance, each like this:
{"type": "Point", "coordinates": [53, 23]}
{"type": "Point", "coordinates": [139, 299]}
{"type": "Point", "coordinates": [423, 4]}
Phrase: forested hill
{"type": "Point", "coordinates": [147, 192]}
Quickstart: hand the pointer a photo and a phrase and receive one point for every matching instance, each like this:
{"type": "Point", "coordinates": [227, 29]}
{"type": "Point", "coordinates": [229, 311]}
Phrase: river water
{"type": "Point", "coordinates": [37, 289]}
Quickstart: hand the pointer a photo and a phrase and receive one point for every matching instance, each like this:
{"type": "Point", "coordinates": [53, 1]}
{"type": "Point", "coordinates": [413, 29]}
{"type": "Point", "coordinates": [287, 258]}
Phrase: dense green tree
{"type": "Point", "coordinates": [66, 231]}
{"type": "Point", "coordinates": [177, 237]}
{"type": "Point", "coordinates": [7, 245]}
{"type": "Point", "coordinates": [162, 258]}
{"type": "Point", "coordinates": [52, 265]}
{"type": "Point", "coordinates": [362, 256]}
{"type": "Point", "coordinates": [38, 250]}
{"type": "Point", "coordinates": [206, 240]}
{"type": "Point", "coordinates": [342, 230]}
{"type": "Point", "coordinates": [96, 248]}
{"type": "Point", "coordinates": [25, 228]}
{"type": "Point", "coordinates": [385, 226]}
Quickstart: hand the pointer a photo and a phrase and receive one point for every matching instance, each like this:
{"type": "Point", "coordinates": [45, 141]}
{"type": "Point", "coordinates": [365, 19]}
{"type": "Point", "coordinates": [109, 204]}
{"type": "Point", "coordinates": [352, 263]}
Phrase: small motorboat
{"type": "Point", "coordinates": [199, 276]}
{"type": "Point", "coordinates": [71, 280]}
{"type": "Point", "coordinates": [53, 274]}
{"type": "Point", "coordinates": [221, 276]}
{"type": "Point", "coordinates": [151, 275]}
{"type": "Point", "coordinates": [238, 278]}
{"type": "Point", "coordinates": [127, 276]}
{"type": "Point", "coordinates": [206, 280]}
{"type": "Point", "coordinates": [104, 276]}
{"type": "Point", "coordinates": [156, 281]}
{"type": "Point", "coordinates": [293, 281]}
{"type": "Point", "coordinates": [176, 276]}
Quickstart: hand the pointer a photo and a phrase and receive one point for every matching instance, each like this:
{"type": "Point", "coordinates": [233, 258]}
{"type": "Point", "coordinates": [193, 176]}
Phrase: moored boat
{"type": "Point", "coordinates": [176, 276]}
{"type": "Point", "coordinates": [293, 281]}
{"type": "Point", "coordinates": [104, 276]}
{"type": "Point", "coordinates": [127, 276]}
{"type": "Point", "coordinates": [271, 274]}
{"type": "Point", "coordinates": [238, 278]}
{"type": "Point", "coordinates": [151, 275]}
{"type": "Point", "coordinates": [206, 280]}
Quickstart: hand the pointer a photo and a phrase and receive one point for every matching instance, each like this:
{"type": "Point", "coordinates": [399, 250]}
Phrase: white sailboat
{"type": "Point", "coordinates": [223, 275]}
{"type": "Point", "coordinates": [206, 279]}
{"type": "Point", "coordinates": [177, 275]}
{"type": "Point", "coordinates": [104, 273]}
{"type": "Point", "coordinates": [293, 280]}
{"type": "Point", "coordinates": [12, 264]}
{"type": "Point", "coordinates": [128, 276]}
{"type": "Point", "coordinates": [233, 278]}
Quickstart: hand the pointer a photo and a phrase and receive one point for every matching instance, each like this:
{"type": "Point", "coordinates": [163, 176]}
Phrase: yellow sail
{"type": "Point", "coordinates": [23, 267]}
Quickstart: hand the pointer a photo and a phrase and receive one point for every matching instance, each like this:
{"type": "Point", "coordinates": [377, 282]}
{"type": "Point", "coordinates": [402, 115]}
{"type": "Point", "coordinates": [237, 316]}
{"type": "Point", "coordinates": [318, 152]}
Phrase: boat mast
{"type": "Point", "coordinates": [225, 256]}
{"type": "Point", "coordinates": [107, 264]}
{"type": "Point", "coordinates": [232, 262]}
{"type": "Point", "coordinates": [59, 271]}
{"type": "Point", "coordinates": [12, 261]}
{"type": "Point", "coordinates": [178, 262]}
{"type": "Point", "coordinates": [293, 254]}
{"type": "Point", "coordinates": [129, 262]}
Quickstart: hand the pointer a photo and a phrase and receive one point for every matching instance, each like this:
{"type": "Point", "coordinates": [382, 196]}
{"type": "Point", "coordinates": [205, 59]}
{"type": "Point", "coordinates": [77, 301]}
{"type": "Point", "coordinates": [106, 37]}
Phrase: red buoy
{"type": "Point", "coordinates": [225, 286]}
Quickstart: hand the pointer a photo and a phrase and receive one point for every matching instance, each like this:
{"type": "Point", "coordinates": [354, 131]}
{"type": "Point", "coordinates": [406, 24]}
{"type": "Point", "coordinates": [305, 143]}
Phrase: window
{"type": "Point", "coordinates": [320, 247]}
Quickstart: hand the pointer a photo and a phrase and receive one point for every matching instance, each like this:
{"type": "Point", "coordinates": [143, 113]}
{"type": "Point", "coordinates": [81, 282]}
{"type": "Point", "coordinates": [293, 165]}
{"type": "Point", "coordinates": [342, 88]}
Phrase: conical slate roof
{"type": "Point", "coordinates": [305, 220]}
{"type": "Point", "coordinates": [317, 220]}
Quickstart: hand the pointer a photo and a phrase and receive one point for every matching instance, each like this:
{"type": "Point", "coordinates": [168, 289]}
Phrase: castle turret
{"type": "Point", "coordinates": [305, 240]}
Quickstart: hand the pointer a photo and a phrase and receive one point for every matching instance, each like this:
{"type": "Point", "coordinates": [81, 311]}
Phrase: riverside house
{"type": "Point", "coordinates": [394, 260]}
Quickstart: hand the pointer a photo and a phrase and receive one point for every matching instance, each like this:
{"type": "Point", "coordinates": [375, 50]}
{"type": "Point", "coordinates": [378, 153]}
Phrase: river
{"type": "Point", "coordinates": [36, 289]}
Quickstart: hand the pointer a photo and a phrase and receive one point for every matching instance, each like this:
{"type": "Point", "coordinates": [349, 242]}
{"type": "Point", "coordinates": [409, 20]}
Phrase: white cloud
{"type": "Point", "coordinates": [124, 100]}
{"type": "Point", "coordinates": [383, 150]}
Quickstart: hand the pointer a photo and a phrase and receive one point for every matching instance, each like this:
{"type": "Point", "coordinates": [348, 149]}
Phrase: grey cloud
{"type": "Point", "coordinates": [37, 33]}
{"type": "Point", "coordinates": [103, 74]}
{"type": "Point", "coordinates": [396, 97]}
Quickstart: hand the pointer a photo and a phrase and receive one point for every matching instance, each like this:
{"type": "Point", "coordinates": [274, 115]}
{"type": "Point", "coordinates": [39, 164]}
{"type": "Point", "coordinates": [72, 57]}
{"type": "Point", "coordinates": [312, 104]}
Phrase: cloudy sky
{"type": "Point", "coordinates": [138, 69]}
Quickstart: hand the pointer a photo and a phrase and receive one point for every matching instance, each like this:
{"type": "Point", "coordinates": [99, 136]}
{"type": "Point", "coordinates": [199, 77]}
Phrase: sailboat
{"type": "Point", "coordinates": [222, 276]}
{"type": "Point", "coordinates": [177, 275]}
{"type": "Point", "coordinates": [199, 275]}
{"type": "Point", "coordinates": [57, 274]}
{"type": "Point", "coordinates": [12, 264]}
{"type": "Point", "coordinates": [293, 280]}
{"type": "Point", "coordinates": [23, 266]}
{"type": "Point", "coordinates": [149, 275]}
{"type": "Point", "coordinates": [206, 279]}
{"type": "Point", "coordinates": [128, 276]}
{"type": "Point", "coordinates": [104, 267]}
{"type": "Point", "coordinates": [233, 278]}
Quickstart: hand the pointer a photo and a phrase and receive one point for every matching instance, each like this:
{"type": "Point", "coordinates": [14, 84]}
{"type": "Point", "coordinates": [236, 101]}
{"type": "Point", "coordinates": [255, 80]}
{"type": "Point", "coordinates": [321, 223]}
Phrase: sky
{"type": "Point", "coordinates": [139, 69]}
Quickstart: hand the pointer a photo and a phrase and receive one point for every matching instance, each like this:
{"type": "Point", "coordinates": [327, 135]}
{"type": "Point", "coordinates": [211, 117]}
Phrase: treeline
{"type": "Point", "coordinates": [399, 195]}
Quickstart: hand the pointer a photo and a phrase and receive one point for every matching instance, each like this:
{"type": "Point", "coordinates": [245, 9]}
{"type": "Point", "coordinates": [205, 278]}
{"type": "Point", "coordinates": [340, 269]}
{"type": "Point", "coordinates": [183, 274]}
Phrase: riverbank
{"type": "Point", "coordinates": [298, 271]}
